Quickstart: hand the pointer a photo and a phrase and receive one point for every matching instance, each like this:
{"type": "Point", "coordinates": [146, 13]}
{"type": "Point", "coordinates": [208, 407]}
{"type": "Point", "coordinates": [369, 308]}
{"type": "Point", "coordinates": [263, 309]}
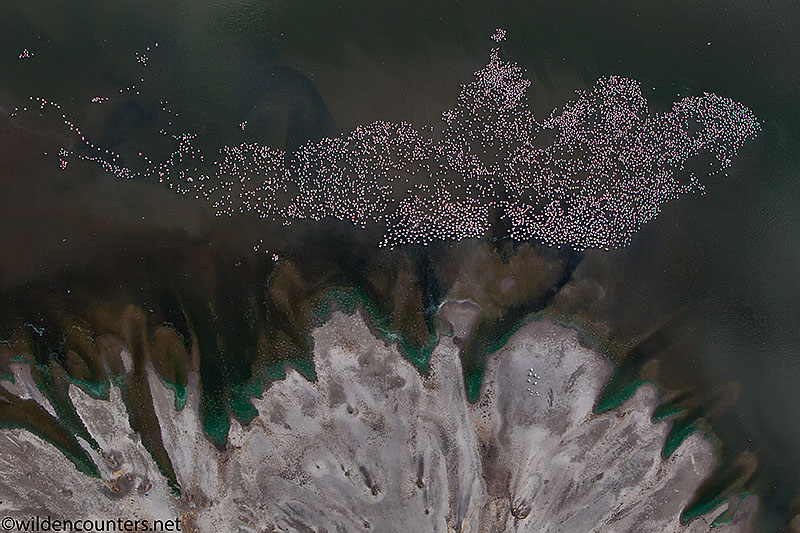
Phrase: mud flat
{"type": "Point", "coordinates": [372, 445]}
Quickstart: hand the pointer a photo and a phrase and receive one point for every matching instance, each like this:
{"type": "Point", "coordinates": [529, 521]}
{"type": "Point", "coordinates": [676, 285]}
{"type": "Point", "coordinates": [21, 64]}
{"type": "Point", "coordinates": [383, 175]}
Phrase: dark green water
{"type": "Point", "coordinates": [724, 264]}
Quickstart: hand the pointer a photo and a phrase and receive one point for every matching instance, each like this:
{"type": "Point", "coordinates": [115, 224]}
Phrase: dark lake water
{"type": "Point", "coordinates": [720, 270]}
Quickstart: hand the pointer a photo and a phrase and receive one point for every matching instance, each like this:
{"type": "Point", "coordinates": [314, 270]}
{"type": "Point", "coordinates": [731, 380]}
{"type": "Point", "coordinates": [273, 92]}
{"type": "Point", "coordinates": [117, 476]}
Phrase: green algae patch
{"type": "Point", "coordinates": [305, 366]}
{"type": "Point", "coordinates": [473, 374]}
{"type": "Point", "coordinates": [178, 391]}
{"type": "Point", "coordinates": [700, 509]}
{"type": "Point", "coordinates": [241, 403]}
{"type": "Point", "coordinates": [351, 299]}
{"type": "Point", "coordinates": [419, 357]}
{"type": "Point", "coordinates": [275, 372]}
{"type": "Point", "coordinates": [473, 377]}
{"type": "Point", "coordinates": [348, 300]}
{"type": "Point", "coordinates": [666, 410]}
{"type": "Point", "coordinates": [704, 507]}
{"type": "Point", "coordinates": [501, 341]}
{"type": "Point", "coordinates": [180, 395]}
{"type": "Point", "coordinates": [727, 515]}
{"type": "Point", "coordinates": [612, 396]}
{"type": "Point", "coordinates": [677, 434]}
{"type": "Point", "coordinates": [99, 390]}
{"type": "Point", "coordinates": [55, 386]}
{"type": "Point", "coordinates": [726, 483]}
{"type": "Point", "coordinates": [216, 422]}
{"type": "Point", "coordinates": [472, 384]}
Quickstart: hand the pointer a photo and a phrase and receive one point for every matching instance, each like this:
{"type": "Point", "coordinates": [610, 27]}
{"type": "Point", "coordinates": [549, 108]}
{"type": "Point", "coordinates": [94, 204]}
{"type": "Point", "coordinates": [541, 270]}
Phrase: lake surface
{"type": "Point", "coordinates": [715, 275]}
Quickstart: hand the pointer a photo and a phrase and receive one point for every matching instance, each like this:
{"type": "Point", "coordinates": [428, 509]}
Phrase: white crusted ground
{"type": "Point", "coordinates": [373, 446]}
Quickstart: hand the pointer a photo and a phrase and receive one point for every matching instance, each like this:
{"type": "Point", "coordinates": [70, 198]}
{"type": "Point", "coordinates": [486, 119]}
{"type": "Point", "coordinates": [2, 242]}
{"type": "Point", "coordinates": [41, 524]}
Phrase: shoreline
{"type": "Point", "coordinates": [340, 349]}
